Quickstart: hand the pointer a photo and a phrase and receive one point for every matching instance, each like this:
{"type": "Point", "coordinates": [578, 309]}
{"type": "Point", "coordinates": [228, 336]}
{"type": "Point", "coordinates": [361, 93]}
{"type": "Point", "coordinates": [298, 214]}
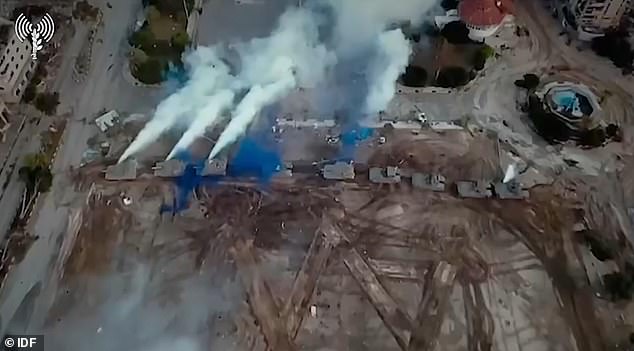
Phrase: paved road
{"type": "Point", "coordinates": [233, 20]}
{"type": "Point", "coordinates": [102, 88]}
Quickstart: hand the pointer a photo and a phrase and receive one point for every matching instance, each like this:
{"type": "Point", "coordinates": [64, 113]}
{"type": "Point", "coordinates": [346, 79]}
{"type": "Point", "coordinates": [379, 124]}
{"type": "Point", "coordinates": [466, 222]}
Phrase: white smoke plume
{"type": "Point", "coordinates": [208, 75]}
{"type": "Point", "coordinates": [393, 56]}
{"type": "Point", "coordinates": [208, 116]}
{"type": "Point", "coordinates": [293, 56]}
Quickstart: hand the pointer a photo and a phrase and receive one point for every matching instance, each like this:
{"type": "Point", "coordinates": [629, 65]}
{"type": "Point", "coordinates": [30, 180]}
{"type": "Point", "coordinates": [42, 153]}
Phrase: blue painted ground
{"type": "Point", "coordinates": [254, 159]}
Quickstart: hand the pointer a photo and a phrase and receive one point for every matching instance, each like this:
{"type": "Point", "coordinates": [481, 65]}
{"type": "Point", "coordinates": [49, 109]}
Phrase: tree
{"type": "Point", "coordinates": [593, 138]}
{"type": "Point", "coordinates": [180, 40]}
{"type": "Point", "coordinates": [479, 60]}
{"type": "Point", "coordinates": [414, 76]}
{"type": "Point", "coordinates": [618, 285]}
{"type": "Point", "coordinates": [143, 39]}
{"type": "Point", "coordinates": [29, 93]}
{"type": "Point", "coordinates": [47, 102]}
{"type": "Point", "coordinates": [613, 131]}
{"type": "Point", "coordinates": [531, 80]}
{"type": "Point", "coordinates": [456, 32]}
{"type": "Point", "coordinates": [150, 71]}
{"type": "Point", "coordinates": [615, 46]}
{"type": "Point", "coordinates": [449, 4]}
{"type": "Point", "coordinates": [37, 178]}
{"type": "Point", "coordinates": [451, 77]}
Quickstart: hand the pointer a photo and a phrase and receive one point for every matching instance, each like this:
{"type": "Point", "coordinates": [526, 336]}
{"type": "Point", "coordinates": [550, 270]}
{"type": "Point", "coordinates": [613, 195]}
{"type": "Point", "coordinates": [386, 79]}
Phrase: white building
{"type": "Point", "coordinates": [484, 17]}
{"type": "Point", "coordinates": [4, 121]}
{"type": "Point", "coordinates": [16, 66]}
{"type": "Point", "coordinates": [596, 16]}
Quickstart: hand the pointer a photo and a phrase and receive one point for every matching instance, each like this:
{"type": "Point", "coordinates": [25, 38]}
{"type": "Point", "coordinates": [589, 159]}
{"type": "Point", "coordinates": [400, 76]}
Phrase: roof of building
{"type": "Point", "coordinates": [510, 190]}
{"type": "Point", "coordinates": [435, 182]}
{"type": "Point", "coordinates": [126, 170]}
{"type": "Point", "coordinates": [387, 175]}
{"type": "Point", "coordinates": [170, 168]}
{"type": "Point", "coordinates": [473, 189]}
{"type": "Point", "coordinates": [107, 120]}
{"type": "Point", "coordinates": [215, 167]}
{"type": "Point", "coordinates": [482, 13]}
{"type": "Point", "coordinates": [339, 170]}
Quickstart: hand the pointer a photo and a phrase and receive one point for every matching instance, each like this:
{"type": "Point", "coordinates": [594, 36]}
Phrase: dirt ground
{"type": "Point", "coordinates": [316, 266]}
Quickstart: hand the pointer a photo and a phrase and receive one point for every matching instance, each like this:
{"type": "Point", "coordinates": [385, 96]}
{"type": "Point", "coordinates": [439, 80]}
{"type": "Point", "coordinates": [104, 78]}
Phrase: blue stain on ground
{"type": "Point", "coordinates": [351, 136]}
{"type": "Point", "coordinates": [255, 158]}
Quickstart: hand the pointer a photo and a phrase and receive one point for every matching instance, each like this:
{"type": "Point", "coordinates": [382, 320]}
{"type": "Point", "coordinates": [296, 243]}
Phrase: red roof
{"type": "Point", "coordinates": [482, 13]}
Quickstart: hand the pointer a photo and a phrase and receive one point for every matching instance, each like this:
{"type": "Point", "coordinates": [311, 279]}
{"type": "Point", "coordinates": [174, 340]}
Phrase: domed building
{"type": "Point", "coordinates": [484, 17]}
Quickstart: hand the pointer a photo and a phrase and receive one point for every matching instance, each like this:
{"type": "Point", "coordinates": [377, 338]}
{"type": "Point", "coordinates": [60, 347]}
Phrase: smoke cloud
{"type": "Point", "coordinates": [347, 47]}
{"type": "Point", "coordinates": [392, 58]}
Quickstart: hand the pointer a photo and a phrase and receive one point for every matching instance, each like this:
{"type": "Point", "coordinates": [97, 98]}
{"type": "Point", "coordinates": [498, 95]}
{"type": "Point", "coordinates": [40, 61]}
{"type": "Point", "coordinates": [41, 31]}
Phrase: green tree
{"type": "Point", "coordinates": [531, 80]}
{"type": "Point", "coordinates": [29, 93]}
{"type": "Point", "coordinates": [452, 77]}
{"type": "Point", "coordinates": [150, 71]}
{"type": "Point", "coordinates": [180, 40]}
{"type": "Point", "coordinates": [456, 32]}
{"type": "Point", "coordinates": [47, 102]}
{"type": "Point", "coordinates": [414, 76]}
{"type": "Point", "coordinates": [143, 39]}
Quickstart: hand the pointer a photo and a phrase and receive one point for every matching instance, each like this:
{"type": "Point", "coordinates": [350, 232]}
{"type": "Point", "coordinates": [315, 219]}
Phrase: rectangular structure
{"type": "Point", "coordinates": [16, 66]}
{"type": "Point", "coordinates": [510, 190]}
{"type": "Point", "coordinates": [169, 168]}
{"type": "Point", "coordinates": [479, 190]}
{"type": "Point", "coordinates": [215, 167]}
{"type": "Point", "coordinates": [389, 175]}
{"type": "Point", "coordinates": [598, 15]}
{"type": "Point", "coordinates": [126, 170]}
{"type": "Point", "coordinates": [433, 182]}
{"type": "Point", "coordinates": [338, 171]}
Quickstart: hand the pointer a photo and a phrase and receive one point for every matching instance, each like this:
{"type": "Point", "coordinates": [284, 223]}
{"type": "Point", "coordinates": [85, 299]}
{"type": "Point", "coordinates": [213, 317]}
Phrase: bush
{"type": "Point", "coordinates": [449, 4]}
{"type": "Point", "coordinates": [144, 39]}
{"type": "Point", "coordinates": [414, 76]}
{"type": "Point", "coordinates": [549, 127]}
{"type": "Point", "coordinates": [456, 32]}
{"type": "Point", "coordinates": [47, 102]}
{"type": "Point", "coordinates": [593, 138]}
{"type": "Point", "coordinates": [180, 41]}
{"type": "Point", "coordinates": [479, 60]}
{"type": "Point", "coordinates": [618, 285]}
{"type": "Point", "coordinates": [616, 47]}
{"type": "Point", "coordinates": [150, 71]}
{"type": "Point", "coordinates": [530, 81]}
{"type": "Point", "coordinates": [451, 77]}
{"type": "Point", "coordinates": [614, 132]}
{"type": "Point", "coordinates": [29, 93]}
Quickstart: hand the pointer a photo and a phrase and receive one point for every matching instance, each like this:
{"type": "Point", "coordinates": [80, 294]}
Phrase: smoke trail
{"type": "Point", "coordinates": [248, 108]}
{"type": "Point", "coordinates": [205, 118]}
{"type": "Point", "coordinates": [208, 73]}
{"type": "Point", "coordinates": [318, 46]}
{"type": "Point", "coordinates": [393, 55]}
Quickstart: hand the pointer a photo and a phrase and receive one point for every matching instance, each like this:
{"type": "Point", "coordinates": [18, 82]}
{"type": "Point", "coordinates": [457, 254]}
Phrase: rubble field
{"type": "Point", "coordinates": [333, 266]}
